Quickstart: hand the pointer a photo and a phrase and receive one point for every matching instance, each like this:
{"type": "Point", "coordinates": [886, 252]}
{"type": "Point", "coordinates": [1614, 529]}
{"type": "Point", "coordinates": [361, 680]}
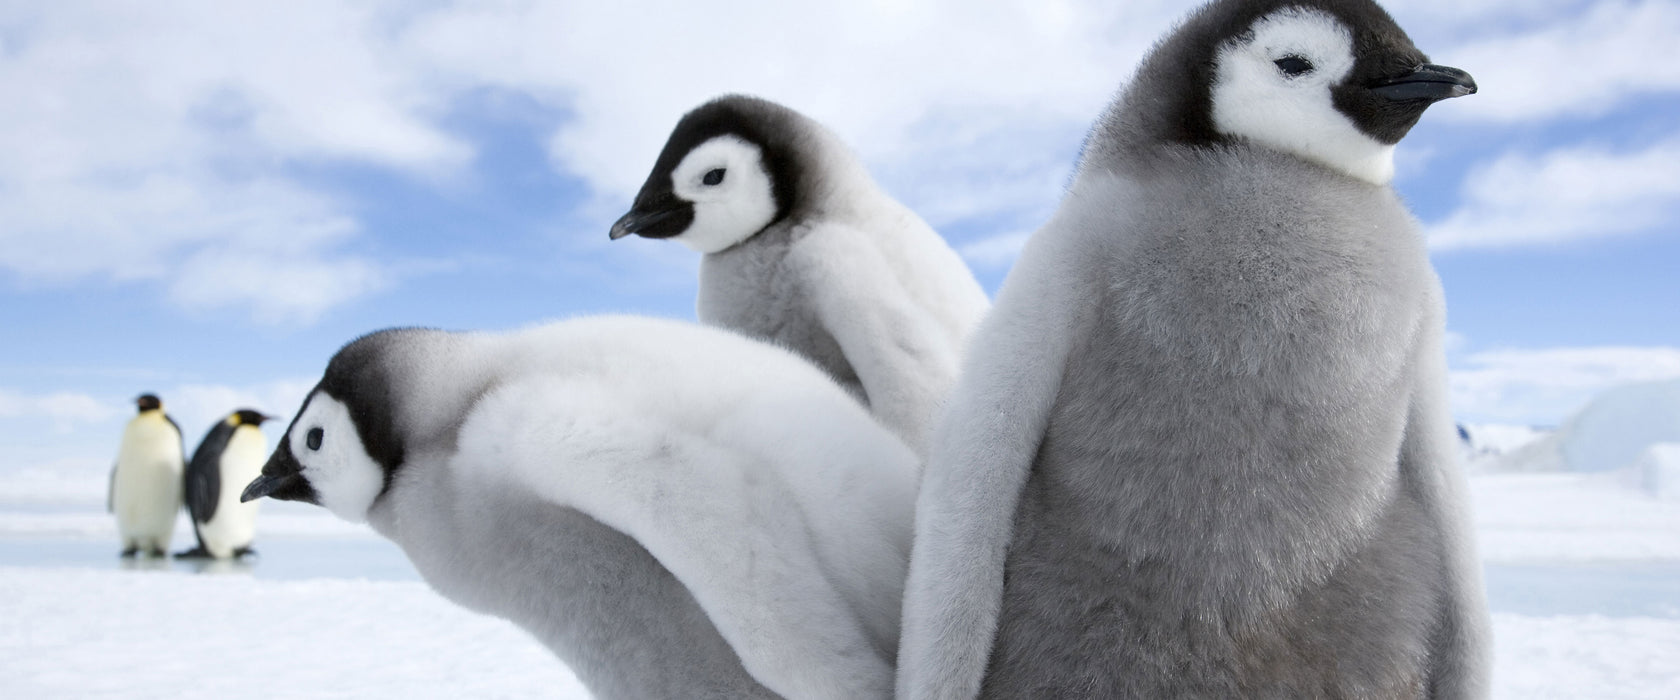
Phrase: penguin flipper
{"type": "Point", "coordinates": [111, 491]}
{"type": "Point", "coordinates": [203, 483]}
{"type": "Point", "coordinates": [896, 348]}
{"type": "Point", "coordinates": [981, 455]}
{"type": "Point", "coordinates": [718, 518]}
{"type": "Point", "coordinates": [1460, 660]}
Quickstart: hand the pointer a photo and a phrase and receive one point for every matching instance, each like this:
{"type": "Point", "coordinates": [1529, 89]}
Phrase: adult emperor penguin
{"type": "Point", "coordinates": [145, 489]}
{"type": "Point", "coordinates": [803, 249]}
{"type": "Point", "coordinates": [230, 456]}
{"type": "Point", "coordinates": [676, 511]}
{"type": "Point", "coordinates": [1202, 447]}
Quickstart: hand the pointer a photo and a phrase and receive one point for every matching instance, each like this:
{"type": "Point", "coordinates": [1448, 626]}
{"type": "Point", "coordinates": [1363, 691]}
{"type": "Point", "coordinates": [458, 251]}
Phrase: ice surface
{"type": "Point", "coordinates": [73, 633]}
{"type": "Point", "coordinates": [1571, 517]}
{"type": "Point", "coordinates": [1583, 573]}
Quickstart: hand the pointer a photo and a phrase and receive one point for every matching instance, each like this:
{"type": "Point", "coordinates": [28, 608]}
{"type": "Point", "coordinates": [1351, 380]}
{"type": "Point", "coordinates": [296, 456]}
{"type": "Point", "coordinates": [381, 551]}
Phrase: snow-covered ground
{"type": "Point", "coordinates": [1583, 573]}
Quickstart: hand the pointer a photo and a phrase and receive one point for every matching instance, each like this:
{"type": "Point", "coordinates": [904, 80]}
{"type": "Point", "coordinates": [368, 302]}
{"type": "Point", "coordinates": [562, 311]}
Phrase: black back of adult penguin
{"type": "Point", "coordinates": [204, 472]}
{"type": "Point", "coordinates": [1202, 446]}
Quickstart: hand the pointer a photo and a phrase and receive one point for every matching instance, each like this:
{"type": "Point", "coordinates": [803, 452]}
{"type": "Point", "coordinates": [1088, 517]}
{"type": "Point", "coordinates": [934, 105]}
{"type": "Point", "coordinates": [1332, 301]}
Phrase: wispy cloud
{"type": "Point", "coordinates": [995, 251]}
{"type": "Point", "coordinates": [1567, 194]}
{"type": "Point", "coordinates": [160, 141]}
{"type": "Point", "coordinates": [64, 410]}
{"type": "Point", "coordinates": [1582, 63]}
{"type": "Point", "coordinates": [157, 142]}
{"type": "Point", "coordinates": [1029, 70]}
{"type": "Point", "coordinates": [1544, 387]}
{"type": "Point", "coordinates": [148, 142]}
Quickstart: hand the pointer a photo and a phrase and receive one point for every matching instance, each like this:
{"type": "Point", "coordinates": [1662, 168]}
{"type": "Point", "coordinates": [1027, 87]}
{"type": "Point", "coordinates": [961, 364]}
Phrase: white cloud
{"type": "Point", "coordinates": [1543, 387]}
{"type": "Point", "coordinates": [140, 138]}
{"type": "Point", "coordinates": [1567, 194]}
{"type": "Point", "coordinates": [158, 141]}
{"type": "Point", "coordinates": [62, 409]}
{"type": "Point", "coordinates": [1024, 77]}
{"type": "Point", "coordinates": [1576, 64]}
{"type": "Point", "coordinates": [995, 251]}
{"type": "Point", "coordinates": [154, 140]}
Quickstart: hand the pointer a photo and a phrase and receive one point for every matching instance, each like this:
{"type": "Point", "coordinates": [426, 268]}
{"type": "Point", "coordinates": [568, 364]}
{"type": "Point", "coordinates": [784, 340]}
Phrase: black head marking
{"type": "Point", "coordinates": [659, 213]}
{"type": "Point", "coordinates": [246, 416]}
{"type": "Point", "coordinates": [148, 402]}
{"type": "Point", "coordinates": [1171, 98]}
{"type": "Point", "coordinates": [358, 377]}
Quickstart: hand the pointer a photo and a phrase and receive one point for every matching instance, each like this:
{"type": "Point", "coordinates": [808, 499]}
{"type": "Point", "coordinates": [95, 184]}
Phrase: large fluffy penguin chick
{"type": "Point", "coordinates": [676, 511]}
{"type": "Point", "coordinates": [1201, 448]}
{"type": "Point", "coordinates": [804, 250]}
{"type": "Point", "coordinates": [145, 489]}
{"type": "Point", "coordinates": [230, 456]}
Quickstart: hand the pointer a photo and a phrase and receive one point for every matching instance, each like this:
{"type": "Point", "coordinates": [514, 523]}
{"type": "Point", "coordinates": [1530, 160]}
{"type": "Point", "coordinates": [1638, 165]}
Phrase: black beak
{"type": "Point", "coordinates": [1428, 83]}
{"type": "Point", "coordinates": [282, 479]}
{"type": "Point", "coordinates": [641, 221]}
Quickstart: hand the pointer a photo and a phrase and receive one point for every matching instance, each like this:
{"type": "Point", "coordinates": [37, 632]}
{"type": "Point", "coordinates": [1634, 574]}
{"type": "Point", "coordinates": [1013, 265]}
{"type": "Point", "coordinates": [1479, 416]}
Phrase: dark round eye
{"type": "Point", "coordinates": [713, 177]}
{"type": "Point", "coordinates": [313, 439]}
{"type": "Point", "coordinates": [1294, 65]}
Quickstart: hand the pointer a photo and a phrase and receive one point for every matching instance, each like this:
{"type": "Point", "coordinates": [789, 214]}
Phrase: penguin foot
{"type": "Point", "coordinates": [243, 551]}
{"type": "Point", "coordinates": [130, 552]}
{"type": "Point", "coordinates": [198, 552]}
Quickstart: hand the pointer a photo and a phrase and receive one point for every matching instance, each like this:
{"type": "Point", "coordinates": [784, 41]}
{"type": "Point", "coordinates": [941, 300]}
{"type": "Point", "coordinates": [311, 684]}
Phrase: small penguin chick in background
{"type": "Point", "coordinates": [230, 456]}
{"type": "Point", "coordinates": [145, 485]}
{"type": "Point", "coordinates": [1202, 447]}
{"type": "Point", "coordinates": [803, 249]}
{"type": "Point", "coordinates": [676, 511]}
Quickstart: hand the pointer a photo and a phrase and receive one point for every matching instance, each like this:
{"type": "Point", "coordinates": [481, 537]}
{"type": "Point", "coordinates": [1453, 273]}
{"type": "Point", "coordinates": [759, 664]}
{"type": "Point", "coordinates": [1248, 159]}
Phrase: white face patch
{"type": "Point", "coordinates": [1274, 89]}
{"type": "Point", "coordinates": [345, 478]}
{"type": "Point", "coordinates": [725, 179]}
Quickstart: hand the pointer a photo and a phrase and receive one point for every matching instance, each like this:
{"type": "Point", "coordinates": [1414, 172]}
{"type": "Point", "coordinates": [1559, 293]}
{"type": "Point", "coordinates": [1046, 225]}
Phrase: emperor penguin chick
{"type": "Point", "coordinates": [1202, 447]}
{"type": "Point", "coordinates": [676, 511]}
{"type": "Point", "coordinates": [145, 489]}
{"type": "Point", "coordinates": [230, 456]}
{"type": "Point", "coordinates": [803, 249]}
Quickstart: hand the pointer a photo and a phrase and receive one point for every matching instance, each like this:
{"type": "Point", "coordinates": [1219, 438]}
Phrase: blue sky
{"type": "Point", "coordinates": [207, 199]}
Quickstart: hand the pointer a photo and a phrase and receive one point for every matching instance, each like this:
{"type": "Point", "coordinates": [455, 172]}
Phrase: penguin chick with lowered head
{"type": "Point", "coordinates": [1202, 447]}
{"type": "Point", "coordinates": [145, 488]}
{"type": "Point", "coordinates": [803, 249]}
{"type": "Point", "coordinates": [675, 510]}
{"type": "Point", "coordinates": [230, 456]}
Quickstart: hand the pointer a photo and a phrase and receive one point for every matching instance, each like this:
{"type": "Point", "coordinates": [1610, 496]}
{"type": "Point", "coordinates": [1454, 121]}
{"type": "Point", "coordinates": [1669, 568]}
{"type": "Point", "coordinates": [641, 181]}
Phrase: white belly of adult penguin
{"type": "Point", "coordinates": [1202, 448]}
{"type": "Point", "coordinates": [145, 489]}
{"type": "Point", "coordinates": [803, 249]}
{"type": "Point", "coordinates": [676, 511]}
{"type": "Point", "coordinates": [229, 457]}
